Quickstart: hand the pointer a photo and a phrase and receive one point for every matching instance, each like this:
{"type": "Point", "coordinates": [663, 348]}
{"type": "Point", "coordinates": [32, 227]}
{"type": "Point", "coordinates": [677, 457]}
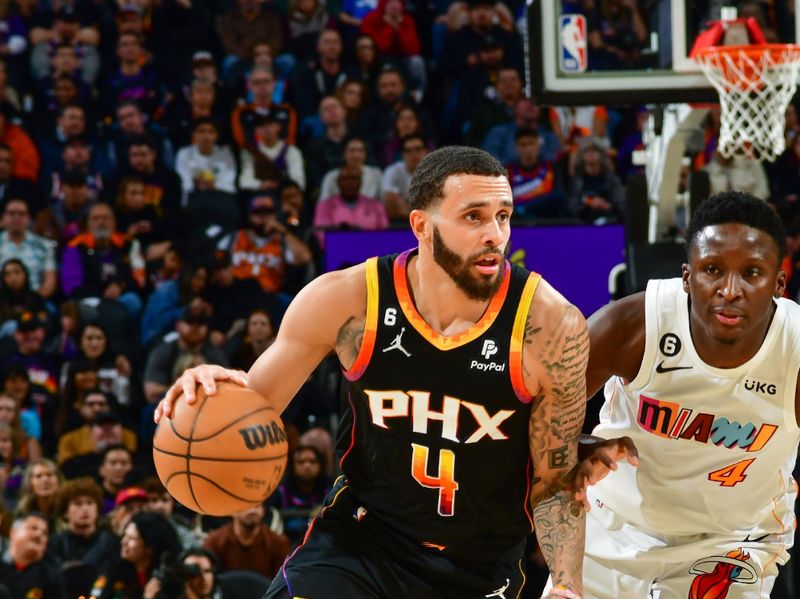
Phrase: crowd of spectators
{"type": "Point", "coordinates": [169, 170]}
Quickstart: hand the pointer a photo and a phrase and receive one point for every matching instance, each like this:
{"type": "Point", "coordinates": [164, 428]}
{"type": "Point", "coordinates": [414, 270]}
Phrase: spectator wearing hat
{"type": "Point", "coordinates": [25, 157]}
{"type": "Point", "coordinates": [25, 569]}
{"type": "Point", "coordinates": [261, 86]}
{"type": "Point", "coordinates": [12, 186]}
{"type": "Point", "coordinates": [103, 263]}
{"type": "Point", "coordinates": [79, 505]}
{"type": "Point", "coordinates": [170, 358]}
{"type": "Point", "coordinates": [241, 28]}
{"type": "Point", "coordinates": [266, 248]}
{"type": "Point", "coordinates": [534, 182]}
{"type": "Point", "coordinates": [204, 165]}
{"type": "Point", "coordinates": [35, 252]}
{"type": "Point", "coordinates": [128, 502]}
{"type": "Point", "coordinates": [101, 427]}
{"type": "Point", "coordinates": [271, 158]}
{"type": "Point", "coordinates": [349, 209]}
{"type": "Point", "coordinates": [62, 221]}
{"type": "Point", "coordinates": [132, 124]}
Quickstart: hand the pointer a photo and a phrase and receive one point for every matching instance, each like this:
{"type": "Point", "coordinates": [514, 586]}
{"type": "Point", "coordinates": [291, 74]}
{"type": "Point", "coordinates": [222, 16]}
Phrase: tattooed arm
{"type": "Point", "coordinates": [555, 356]}
{"type": "Point", "coordinates": [328, 314]}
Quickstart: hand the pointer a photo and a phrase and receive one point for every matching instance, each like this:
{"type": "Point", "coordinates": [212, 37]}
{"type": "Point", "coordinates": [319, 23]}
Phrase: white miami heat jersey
{"type": "Point", "coordinates": [717, 446]}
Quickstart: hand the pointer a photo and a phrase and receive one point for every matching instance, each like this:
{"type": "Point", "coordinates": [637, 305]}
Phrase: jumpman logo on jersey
{"type": "Point", "coordinates": [501, 592]}
{"type": "Point", "coordinates": [398, 344]}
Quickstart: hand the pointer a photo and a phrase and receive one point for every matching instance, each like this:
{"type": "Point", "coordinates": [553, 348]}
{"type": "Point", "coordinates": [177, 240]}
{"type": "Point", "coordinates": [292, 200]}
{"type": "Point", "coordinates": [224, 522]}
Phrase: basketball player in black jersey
{"type": "Point", "coordinates": [466, 383]}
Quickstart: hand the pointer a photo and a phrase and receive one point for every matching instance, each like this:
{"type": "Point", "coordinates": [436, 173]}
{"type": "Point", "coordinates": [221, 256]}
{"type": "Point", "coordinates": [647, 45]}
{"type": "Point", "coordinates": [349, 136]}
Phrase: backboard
{"type": "Point", "coordinates": [587, 52]}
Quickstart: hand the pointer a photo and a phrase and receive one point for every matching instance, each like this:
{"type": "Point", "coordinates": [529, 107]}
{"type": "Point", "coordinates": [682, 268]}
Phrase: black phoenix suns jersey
{"type": "Point", "coordinates": [435, 443]}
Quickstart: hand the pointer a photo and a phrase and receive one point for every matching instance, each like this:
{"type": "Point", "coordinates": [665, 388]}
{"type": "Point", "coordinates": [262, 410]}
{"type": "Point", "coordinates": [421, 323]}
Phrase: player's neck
{"type": "Point", "coordinates": [444, 306]}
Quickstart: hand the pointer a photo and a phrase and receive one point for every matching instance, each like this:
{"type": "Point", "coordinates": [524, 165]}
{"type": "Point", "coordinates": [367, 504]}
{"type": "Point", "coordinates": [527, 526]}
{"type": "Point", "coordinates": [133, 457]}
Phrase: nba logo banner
{"type": "Point", "coordinates": [572, 41]}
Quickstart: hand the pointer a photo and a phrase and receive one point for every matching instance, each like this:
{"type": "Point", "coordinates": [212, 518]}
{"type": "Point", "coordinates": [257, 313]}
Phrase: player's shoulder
{"type": "Point", "coordinates": [346, 284]}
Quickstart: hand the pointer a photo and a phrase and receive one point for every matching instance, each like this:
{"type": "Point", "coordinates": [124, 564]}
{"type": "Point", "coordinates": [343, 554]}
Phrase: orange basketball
{"type": "Point", "coordinates": [222, 455]}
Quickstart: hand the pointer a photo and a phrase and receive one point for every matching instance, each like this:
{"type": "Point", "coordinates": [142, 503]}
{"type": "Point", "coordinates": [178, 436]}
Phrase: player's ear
{"type": "Point", "coordinates": [420, 225]}
{"type": "Point", "coordinates": [780, 284]}
{"type": "Point", "coordinates": [685, 272]}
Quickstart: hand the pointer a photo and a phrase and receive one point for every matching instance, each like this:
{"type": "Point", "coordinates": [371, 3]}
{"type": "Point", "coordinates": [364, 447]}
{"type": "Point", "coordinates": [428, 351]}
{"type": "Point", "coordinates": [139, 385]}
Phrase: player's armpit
{"type": "Point", "coordinates": [561, 352]}
{"type": "Point", "coordinates": [310, 330]}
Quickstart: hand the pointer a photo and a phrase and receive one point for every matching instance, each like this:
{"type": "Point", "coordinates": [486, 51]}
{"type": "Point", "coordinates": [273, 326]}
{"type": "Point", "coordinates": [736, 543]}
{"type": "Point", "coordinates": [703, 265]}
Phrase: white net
{"type": "Point", "coordinates": [755, 86]}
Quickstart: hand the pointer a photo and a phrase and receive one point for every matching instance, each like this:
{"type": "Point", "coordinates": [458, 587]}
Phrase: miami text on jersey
{"type": "Point", "coordinates": [669, 420]}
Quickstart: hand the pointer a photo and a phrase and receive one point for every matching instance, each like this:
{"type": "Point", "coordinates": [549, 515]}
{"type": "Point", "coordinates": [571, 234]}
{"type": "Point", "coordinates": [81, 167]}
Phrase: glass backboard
{"type": "Point", "coordinates": [586, 52]}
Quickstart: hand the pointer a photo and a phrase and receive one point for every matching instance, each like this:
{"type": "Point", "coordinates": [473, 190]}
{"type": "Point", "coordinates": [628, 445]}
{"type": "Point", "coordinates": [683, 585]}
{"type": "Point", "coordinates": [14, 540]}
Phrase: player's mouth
{"type": "Point", "coordinates": [488, 264]}
{"type": "Point", "coordinates": [728, 317]}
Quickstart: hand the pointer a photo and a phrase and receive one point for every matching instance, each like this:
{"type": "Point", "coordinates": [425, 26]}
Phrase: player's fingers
{"type": "Point", "coordinates": [158, 412]}
{"type": "Point", "coordinates": [188, 384]}
{"type": "Point", "coordinates": [238, 376]}
{"type": "Point", "coordinates": [208, 378]}
{"type": "Point", "coordinates": [605, 458]}
{"type": "Point", "coordinates": [631, 452]}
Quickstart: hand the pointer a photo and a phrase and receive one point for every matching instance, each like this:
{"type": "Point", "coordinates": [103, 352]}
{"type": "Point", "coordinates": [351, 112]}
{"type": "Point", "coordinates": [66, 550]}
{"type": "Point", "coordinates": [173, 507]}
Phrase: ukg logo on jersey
{"type": "Point", "coordinates": [670, 420]}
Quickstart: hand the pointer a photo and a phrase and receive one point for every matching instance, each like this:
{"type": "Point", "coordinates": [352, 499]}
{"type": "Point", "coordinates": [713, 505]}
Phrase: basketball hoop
{"type": "Point", "coordinates": [755, 84]}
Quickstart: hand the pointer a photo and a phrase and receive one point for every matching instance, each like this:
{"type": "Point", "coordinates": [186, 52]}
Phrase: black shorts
{"type": "Point", "coordinates": [347, 557]}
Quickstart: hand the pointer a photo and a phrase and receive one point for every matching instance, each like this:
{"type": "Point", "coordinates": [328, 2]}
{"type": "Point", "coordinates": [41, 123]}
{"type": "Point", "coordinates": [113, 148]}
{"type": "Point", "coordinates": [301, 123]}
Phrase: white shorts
{"type": "Point", "coordinates": [623, 561]}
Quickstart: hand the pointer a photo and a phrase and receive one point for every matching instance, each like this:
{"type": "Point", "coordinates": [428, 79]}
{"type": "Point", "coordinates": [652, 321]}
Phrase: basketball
{"type": "Point", "coordinates": [222, 455]}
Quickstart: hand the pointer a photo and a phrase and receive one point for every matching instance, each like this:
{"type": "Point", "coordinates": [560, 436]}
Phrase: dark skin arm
{"type": "Point", "coordinates": [616, 337]}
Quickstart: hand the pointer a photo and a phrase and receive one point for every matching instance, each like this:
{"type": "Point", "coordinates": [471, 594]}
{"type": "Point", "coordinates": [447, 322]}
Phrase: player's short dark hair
{"type": "Point", "coordinates": [427, 184]}
{"type": "Point", "coordinates": [737, 207]}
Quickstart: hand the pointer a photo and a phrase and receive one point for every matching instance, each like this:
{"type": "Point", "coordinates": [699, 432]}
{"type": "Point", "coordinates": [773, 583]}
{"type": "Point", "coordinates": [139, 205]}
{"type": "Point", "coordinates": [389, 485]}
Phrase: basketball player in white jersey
{"type": "Point", "coordinates": [702, 373]}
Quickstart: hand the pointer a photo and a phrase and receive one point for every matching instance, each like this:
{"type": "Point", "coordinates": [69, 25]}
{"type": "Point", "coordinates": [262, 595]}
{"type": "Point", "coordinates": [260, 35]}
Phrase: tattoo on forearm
{"type": "Point", "coordinates": [560, 530]}
{"type": "Point", "coordinates": [555, 424]}
{"type": "Point", "coordinates": [558, 458]}
{"type": "Point", "coordinates": [349, 339]}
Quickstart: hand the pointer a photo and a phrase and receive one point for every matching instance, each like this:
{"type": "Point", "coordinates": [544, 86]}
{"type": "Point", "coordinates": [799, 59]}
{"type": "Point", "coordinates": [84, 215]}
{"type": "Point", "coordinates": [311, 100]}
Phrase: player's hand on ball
{"type": "Point", "coordinates": [206, 375]}
{"type": "Point", "coordinates": [597, 458]}
{"type": "Point", "coordinates": [561, 593]}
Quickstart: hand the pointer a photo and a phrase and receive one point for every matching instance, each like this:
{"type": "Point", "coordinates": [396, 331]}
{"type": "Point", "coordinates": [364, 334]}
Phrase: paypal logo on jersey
{"type": "Point", "coordinates": [487, 351]}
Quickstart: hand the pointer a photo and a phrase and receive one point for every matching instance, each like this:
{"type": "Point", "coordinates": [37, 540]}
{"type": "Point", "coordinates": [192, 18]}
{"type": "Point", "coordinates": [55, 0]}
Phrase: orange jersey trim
{"type": "Point", "coordinates": [370, 327]}
{"type": "Point", "coordinates": [423, 328]}
{"type": "Point", "coordinates": [518, 338]}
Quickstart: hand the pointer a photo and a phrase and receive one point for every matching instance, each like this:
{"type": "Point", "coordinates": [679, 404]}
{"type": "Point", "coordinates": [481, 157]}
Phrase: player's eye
{"type": "Point", "coordinates": [711, 269]}
{"type": "Point", "coordinates": [503, 217]}
{"type": "Point", "coordinates": [472, 217]}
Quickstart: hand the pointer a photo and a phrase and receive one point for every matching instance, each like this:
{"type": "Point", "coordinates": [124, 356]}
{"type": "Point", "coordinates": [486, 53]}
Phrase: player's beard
{"type": "Point", "coordinates": [476, 287]}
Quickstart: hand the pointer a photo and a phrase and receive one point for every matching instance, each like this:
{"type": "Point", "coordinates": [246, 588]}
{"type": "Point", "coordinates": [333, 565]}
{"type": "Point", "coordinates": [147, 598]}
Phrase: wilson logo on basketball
{"type": "Point", "coordinates": [258, 436]}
